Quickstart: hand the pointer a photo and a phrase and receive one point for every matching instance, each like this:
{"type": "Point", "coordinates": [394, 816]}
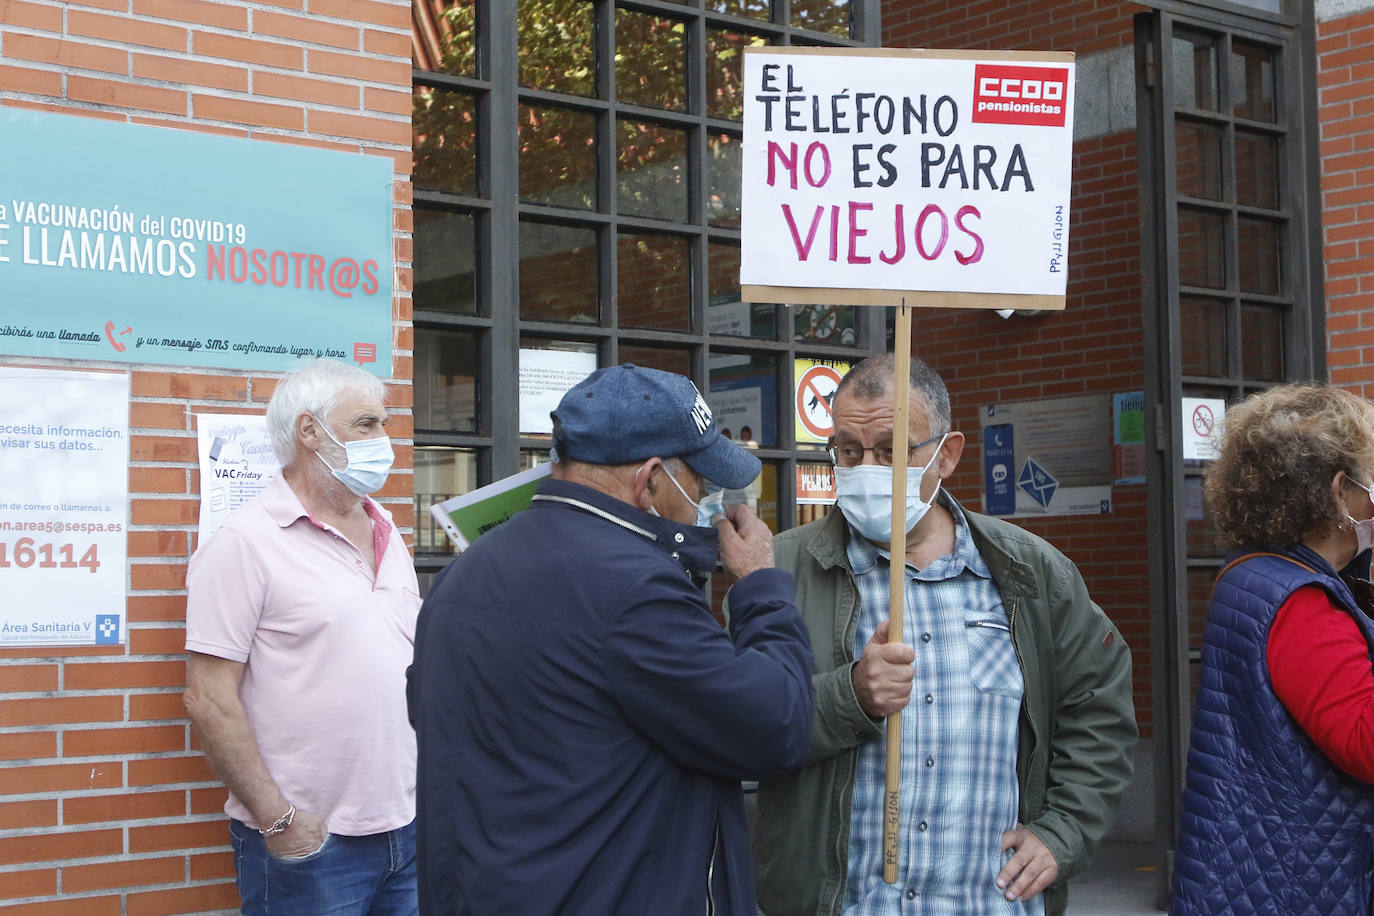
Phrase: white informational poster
{"type": "Point", "coordinates": [236, 462]}
{"type": "Point", "coordinates": [907, 171]}
{"type": "Point", "coordinates": [1049, 457]}
{"type": "Point", "coordinates": [545, 376]}
{"type": "Point", "coordinates": [1201, 418]}
{"type": "Point", "coordinates": [64, 505]}
{"type": "Point", "coordinates": [738, 413]}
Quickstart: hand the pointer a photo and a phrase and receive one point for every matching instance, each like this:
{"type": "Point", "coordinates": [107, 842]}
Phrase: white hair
{"type": "Point", "coordinates": [314, 389]}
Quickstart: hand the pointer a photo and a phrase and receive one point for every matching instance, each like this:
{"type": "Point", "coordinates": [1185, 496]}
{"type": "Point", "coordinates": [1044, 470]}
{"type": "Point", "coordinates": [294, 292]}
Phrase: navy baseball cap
{"type": "Point", "coordinates": [624, 414]}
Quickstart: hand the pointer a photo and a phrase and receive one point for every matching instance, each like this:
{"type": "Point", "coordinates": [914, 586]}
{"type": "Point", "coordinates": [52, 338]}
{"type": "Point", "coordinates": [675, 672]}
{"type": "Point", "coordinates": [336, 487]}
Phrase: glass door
{"type": "Point", "coordinates": [1232, 304]}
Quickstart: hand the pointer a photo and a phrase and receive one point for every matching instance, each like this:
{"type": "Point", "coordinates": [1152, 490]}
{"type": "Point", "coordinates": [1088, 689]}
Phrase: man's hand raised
{"type": "Point", "coordinates": [746, 544]}
{"type": "Point", "coordinates": [882, 678]}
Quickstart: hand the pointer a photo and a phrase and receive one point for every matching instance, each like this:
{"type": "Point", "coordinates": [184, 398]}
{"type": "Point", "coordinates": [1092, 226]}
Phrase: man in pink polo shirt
{"type": "Point", "coordinates": [300, 622]}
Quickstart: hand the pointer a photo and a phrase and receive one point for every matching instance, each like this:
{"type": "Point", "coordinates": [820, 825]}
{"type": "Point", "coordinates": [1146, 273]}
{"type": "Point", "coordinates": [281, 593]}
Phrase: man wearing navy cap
{"type": "Point", "coordinates": [583, 720]}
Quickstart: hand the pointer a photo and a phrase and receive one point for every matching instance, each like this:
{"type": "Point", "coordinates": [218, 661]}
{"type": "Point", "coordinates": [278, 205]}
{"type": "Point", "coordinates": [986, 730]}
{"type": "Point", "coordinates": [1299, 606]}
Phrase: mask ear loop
{"type": "Point", "coordinates": [652, 511]}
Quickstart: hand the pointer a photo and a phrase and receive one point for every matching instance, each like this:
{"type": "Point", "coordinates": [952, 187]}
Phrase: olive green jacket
{"type": "Point", "coordinates": [1077, 716]}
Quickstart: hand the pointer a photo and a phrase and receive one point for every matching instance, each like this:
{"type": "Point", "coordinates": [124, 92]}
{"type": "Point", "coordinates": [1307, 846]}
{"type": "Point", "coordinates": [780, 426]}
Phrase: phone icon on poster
{"type": "Point", "coordinates": [999, 458]}
{"type": "Point", "coordinates": [110, 335]}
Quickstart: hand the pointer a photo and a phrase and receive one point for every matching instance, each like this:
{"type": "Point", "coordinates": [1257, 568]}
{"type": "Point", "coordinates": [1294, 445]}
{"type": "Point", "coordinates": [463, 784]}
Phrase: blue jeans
{"type": "Point", "coordinates": [349, 875]}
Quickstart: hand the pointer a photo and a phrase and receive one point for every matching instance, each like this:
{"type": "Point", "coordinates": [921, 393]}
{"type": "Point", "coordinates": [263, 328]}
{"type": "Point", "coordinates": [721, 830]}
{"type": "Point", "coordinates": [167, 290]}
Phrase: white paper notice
{"type": "Point", "coordinates": [1201, 416]}
{"type": "Point", "coordinates": [236, 461]}
{"type": "Point", "coordinates": [545, 376]}
{"type": "Point", "coordinates": [64, 504]}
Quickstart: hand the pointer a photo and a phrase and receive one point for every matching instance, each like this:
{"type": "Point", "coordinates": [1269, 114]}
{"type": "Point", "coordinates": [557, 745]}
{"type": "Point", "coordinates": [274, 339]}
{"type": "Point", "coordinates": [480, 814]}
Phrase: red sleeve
{"type": "Point", "coordinates": [1320, 668]}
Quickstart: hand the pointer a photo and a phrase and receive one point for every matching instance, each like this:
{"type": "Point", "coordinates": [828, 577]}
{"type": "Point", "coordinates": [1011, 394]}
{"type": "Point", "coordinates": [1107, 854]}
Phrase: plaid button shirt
{"type": "Point", "coordinates": [959, 790]}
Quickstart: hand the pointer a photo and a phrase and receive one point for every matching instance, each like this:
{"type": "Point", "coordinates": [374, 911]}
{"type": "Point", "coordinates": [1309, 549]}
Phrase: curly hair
{"type": "Point", "coordinates": [1270, 485]}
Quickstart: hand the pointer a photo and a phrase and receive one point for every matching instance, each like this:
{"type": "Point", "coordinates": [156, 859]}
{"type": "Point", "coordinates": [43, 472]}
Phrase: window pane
{"type": "Point", "coordinates": [767, 488]}
{"type": "Point", "coordinates": [726, 315]}
{"type": "Point", "coordinates": [531, 457]}
{"type": "Point", "coordinates": [1252, 81]}
{"type": "Point", "coordinates": [815, 479]}
{"type": "Point", "coordinates": [725, 71]}
{"type": "Point", "coordinates": [754, 9]}
{"type": "Point", "coordinates": [440, 474]}
{"type": "Point", "coordinates": [445, 262]}
{"type": "Point", "coordinates": [1259, 261]}
{"type": "Point", "coordinates": [1195, 71]}
{"type": "Point", "coordinates": [1203, 538]}
{"type": "Point", "coordinates": [743, 394]}
{"type": "Point", "coordinates": [832, 324]}
{"type": "Point", "coordinates": [557, 157]}
{"type": "Point", "coordinates": [444, 36]}
{"type": "Point", "coordinates": [558, 275]}
{"type": "Point", "coordinates": [651, 170]}
{"type": "Point", "coordinates": [443, 144]}
{"type": "Point", "coordinates": [723, 180]}
{"type": "Point", "coordinates": [650, 61]}
{"type": "Point", "coordinates": [1200, 249]}
{"type": "Point", "coordinates": [1198, 159]}
{"type": "Point", "coordinates": [822, 16]}
{"type": "Point", "coordinates": [678, 361]}
{"type": "Point", "coordinates": [1268, 6]}
{"type": "Point", "coordinates": [1261, 330]}
{"type": "Point", "coordinates": [1257, 170]}
{"type": "Point", "coordinates": [548, 368]}
{"type": "Point", "coordinates": [558, 45]}
{"type": "Point", "coordinates": [445, 381]}
{"type": "Point", "coordinates": [653, 281]}
{"type": "Point", "coordinates": [1202, 331]}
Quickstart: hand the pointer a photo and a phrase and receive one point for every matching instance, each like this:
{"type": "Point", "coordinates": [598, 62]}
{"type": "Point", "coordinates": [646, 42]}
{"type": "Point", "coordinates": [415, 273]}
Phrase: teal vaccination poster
{"type": "Point", "coordinates": [139, 244]}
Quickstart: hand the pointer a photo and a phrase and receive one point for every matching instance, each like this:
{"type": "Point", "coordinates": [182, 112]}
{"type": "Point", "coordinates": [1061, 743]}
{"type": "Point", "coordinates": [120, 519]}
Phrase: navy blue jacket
{"type": "Point", "coordinates": [584, 722]}
{"type": "Point", "coordinates": [1269, 823]}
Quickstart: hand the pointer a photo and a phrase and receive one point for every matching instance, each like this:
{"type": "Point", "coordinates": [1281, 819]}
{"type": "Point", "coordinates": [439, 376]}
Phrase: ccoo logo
{"type": "Point", "coordinates": [1020, 95]}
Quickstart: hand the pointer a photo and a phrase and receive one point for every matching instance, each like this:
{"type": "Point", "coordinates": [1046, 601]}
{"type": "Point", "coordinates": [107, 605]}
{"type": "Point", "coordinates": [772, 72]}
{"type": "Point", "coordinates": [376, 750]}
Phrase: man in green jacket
{"type": "Point", "coordinates": [1014, 690]}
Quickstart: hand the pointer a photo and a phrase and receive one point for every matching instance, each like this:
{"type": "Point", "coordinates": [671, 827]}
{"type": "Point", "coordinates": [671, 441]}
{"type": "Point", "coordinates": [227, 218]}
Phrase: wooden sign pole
{"type": "Point", "coordinates": [901, 409]}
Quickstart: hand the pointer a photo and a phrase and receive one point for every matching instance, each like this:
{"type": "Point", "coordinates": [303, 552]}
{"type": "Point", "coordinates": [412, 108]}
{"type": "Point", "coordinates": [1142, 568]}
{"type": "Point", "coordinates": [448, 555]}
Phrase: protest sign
{"type": "Point", "coordinates": [882, 176]}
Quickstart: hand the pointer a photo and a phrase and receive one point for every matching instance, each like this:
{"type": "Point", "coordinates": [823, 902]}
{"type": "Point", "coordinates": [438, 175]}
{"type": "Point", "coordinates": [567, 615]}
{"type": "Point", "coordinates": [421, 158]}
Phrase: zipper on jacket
{"type": "Point", "coordinates": [711, 871]}
{"type": "Point", "coordinates": [1015, 647]}
{"type": "Point", "coordinates": [847, 785]}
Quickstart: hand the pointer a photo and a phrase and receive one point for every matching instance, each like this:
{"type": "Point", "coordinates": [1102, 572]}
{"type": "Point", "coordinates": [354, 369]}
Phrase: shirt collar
{"type": "Point", "coordinates": [864, 554]}
{"type": "Point", "coordinates": [695, 548]}
{"type": "Point", "coordinates": [285, 508]}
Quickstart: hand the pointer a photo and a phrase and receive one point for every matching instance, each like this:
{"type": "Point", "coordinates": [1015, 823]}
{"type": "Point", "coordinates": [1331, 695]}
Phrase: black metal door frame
{"type": "Point", "coordinates": [1165, 383]}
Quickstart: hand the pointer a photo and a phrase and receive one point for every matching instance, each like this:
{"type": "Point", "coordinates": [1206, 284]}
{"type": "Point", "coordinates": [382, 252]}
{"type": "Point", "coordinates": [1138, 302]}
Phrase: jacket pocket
{"type": "Point", "coordinates": [992, 663]}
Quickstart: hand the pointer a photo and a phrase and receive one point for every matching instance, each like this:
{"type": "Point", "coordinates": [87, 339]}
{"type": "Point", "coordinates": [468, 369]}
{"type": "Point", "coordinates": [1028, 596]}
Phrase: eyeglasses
{"type": "Point", "coordinates": [849, 456]}
{"type": "Point", "coordinates": [1351, 479]}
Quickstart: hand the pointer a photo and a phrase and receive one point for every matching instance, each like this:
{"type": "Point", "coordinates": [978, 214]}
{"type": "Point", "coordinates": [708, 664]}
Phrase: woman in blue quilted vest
{"type": "Point", "coordinates": [1278, 807]}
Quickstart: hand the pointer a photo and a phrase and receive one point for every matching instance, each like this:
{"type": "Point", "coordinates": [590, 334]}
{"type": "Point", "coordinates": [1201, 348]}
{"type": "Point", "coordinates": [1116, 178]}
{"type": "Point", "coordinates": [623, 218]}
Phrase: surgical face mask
{"type": "Point", "coordinates": [709, 507]}
{"type": "Point", "coordinates": [369, 462]}
{"type": "Point", "coordinates": [864, 495]}
{"type": "Point", "coordinates": [1364, 529]}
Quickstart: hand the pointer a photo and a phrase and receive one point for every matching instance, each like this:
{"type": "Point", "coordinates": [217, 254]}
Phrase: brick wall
{"type": "Point", "coordinates": [106, 805]}
{"type": "Point", "coordinates": [1091, 347]}
{"type": "Point", "coordinates": [1345, 81]}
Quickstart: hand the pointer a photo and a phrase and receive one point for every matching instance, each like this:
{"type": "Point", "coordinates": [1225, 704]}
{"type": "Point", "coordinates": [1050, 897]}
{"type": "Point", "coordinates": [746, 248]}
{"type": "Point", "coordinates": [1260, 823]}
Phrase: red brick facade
{"type": "Point", "coordinates": [1345, 64]}
{"type": "Point", "coordinates": [106, 804]}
